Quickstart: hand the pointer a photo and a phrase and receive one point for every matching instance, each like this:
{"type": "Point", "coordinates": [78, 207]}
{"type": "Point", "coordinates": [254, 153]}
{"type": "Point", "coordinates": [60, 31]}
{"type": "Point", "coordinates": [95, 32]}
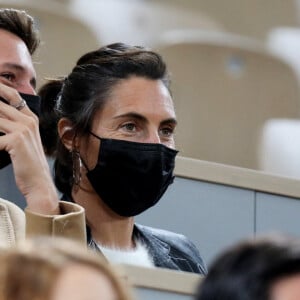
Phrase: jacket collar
{"type": "Point", "coordinates": [158, 249]}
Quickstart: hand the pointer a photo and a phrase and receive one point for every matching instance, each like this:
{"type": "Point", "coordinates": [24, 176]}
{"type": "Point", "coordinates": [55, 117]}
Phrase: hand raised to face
{"type": "Point", "coordinates": [23, 144]}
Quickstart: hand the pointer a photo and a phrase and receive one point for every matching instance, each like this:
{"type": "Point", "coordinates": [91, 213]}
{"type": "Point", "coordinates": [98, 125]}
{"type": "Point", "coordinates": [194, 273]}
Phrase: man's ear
{"type": "Point", "coordinates": [66, 133]}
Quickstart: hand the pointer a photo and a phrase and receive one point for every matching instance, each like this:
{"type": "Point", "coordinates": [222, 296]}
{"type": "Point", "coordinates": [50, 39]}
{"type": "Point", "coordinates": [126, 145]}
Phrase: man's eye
{"type": "Point", "coordinates": [8, 76]}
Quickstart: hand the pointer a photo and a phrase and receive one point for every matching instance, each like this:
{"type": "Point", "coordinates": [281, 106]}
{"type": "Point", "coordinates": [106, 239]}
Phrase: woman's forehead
{"type": "Point", "coordinates": [139, 95]}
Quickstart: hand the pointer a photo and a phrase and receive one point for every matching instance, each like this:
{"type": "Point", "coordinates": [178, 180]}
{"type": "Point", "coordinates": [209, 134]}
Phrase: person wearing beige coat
{"type": "Point", "coordinates": [13, 222]}
{"type": "Point", "coordinates": [21, 145]}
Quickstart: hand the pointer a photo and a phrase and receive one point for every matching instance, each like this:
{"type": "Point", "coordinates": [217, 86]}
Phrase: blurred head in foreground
{"type": "Point", "coordinates": [57, 269]}
{"type": "Point", "coordinates": [267, 268]}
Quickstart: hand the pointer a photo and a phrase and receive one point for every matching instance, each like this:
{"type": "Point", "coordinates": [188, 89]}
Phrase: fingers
{"type": "Point", "coordinates": [20, 105]}
{"type": "Point", "coordinates": [21, 126]}
{"type": "Point", "coordinates": [14, 101]}
{"type": "Point", "coordinates": [10, 126]}
{"type": "Point", "coordinates": [22, 142]}
{"type": "Point", "coordinates": [11, 113]}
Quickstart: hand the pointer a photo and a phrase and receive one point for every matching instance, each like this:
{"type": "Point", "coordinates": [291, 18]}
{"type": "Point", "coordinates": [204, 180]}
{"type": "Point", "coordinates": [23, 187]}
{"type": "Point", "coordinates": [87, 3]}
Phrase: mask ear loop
{"type": "Point", "coordinates": [95, 135]}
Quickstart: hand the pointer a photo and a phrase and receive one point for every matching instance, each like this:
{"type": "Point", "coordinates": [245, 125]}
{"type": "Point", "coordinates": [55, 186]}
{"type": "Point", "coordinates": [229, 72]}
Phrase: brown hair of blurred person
{"type": "Point", "coordinates": [54, 269]}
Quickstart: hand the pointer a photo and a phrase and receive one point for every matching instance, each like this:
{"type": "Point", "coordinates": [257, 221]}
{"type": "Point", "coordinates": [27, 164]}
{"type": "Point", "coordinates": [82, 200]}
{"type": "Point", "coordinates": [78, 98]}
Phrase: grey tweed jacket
{"type": "Point", "coordinates": [168, 249]}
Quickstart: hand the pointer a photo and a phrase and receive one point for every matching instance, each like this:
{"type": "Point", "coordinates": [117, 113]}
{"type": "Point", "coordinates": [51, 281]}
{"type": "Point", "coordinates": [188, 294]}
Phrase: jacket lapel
{"type": "Point", "coordinates": [158, 249]}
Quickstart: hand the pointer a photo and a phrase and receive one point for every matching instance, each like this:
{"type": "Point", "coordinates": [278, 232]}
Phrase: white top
{"type": "Point", "coordinates": [138, 256]}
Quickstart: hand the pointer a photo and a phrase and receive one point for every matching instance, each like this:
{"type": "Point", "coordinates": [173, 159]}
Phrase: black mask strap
{"type": "Point", "coordinates": [95, 135]}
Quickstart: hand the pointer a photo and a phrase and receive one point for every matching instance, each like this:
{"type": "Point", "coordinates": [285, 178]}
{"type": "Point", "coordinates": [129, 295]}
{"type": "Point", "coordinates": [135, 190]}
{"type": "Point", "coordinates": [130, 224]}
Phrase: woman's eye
{"type": "Point", "coordinates": [166, 132]}
{"type": "Point", "coordinates": [129, 127]}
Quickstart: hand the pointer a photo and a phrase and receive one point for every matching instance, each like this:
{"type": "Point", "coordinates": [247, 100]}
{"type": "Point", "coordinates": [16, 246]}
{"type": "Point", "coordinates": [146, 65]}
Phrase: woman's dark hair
{"type": "Point", "coordinates": [88, 87]}
{"type": "Point", "coordinates": [248, 270]}
{"type": "Point", "coordinates": [48, 116]}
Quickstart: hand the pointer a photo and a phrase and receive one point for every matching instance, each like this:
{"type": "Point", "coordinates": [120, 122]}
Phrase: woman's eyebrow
{"type": "Point", "coordinates": [132, 115]}
{"type": "Point", "coordinates": [169, 121]}
{"type": "Point", "coordinates": [136, 116]}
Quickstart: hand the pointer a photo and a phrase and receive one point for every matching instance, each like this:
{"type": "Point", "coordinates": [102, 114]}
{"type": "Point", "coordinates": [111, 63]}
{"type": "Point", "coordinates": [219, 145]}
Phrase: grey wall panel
{"type": "Point", "coordinates": [277, 214]}
{"type": "Point", "coordinates": [150, 294]}
{"type": "Point", "coordinates": [8, 188]}
{"type": "Point", "coordinates": [211, 215]}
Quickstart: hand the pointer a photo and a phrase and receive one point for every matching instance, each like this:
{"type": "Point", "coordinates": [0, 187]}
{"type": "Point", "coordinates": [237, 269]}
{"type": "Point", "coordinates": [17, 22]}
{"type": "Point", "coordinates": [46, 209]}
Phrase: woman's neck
{"type": "Point", "coordinates": [107, 228]}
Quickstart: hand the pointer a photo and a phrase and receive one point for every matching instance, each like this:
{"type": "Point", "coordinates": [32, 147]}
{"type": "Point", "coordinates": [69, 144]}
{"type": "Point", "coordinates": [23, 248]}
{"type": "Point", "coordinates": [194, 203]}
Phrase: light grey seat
{"type": "Point", "coordinates": [225, 87]}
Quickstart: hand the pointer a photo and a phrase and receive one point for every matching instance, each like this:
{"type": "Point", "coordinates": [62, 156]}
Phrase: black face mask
{"type": "Point", "coordinates": [130, 177]}
{"type": "Point", "coordinates": [34, 103]}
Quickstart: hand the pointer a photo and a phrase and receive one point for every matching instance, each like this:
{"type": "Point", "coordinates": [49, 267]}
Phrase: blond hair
{"type": "Point", "coordinates": [29, 271]}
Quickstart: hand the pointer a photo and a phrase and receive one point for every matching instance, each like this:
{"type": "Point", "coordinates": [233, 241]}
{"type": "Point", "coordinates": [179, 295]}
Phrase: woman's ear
{"type": "Point", "coordinates": [66, 133]}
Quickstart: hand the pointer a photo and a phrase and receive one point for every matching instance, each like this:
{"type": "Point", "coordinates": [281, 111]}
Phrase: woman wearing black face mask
{"type": "Point", "coordinates": [115, 155]}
